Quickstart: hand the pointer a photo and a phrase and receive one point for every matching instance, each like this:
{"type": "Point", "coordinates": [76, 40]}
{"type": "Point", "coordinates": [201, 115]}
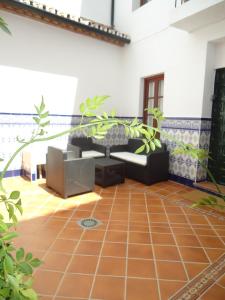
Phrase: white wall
{"type": "Point", "coordinates": [220, 55]}
{"type": "Point", "coordinates": [94, 66]}
{"type": "Point", "coordinates": [186, 60]}
{"type": "Point", "coordinates": [70, 6]}
{"type": "Point", "coordinates": [98, 10]}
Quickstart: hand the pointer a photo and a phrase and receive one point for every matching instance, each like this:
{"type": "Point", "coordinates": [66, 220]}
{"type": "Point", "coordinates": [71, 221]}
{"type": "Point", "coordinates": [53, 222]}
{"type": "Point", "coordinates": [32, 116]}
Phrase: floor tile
{"type": "Point", "coordinates": [114, 249]}
{"type": "Point", "coordinates": [144, 289]}
{"type": "Point", "coordinates": [64, 245]}
{"type": "Point", "coordinates": [191, 254]}
{"type": "Point", "coordinates": [194, 269]}
{"type": "Point", "coordinates": [111, 266]}
{"type": "Point", "coordinates": [89, 248]}
{"type": "Point", "coordinates": [108, 288]}
{"type": "Point", "coordinates": [93, 235]}
{"type": "Point", "coordinates": [187, 240]}
{"type": "Point", "coordinates": [162, 239]}
{"type": "Point", "coordinates": [116, 236]}
{"type": "Point", "coordinates": [74, 285]}
{"type": "Point", "coordinates": [56, 261]}
{"type": "Point", "coordinates": [140, 251]}
{"type": "Point", "coordinates": [168, 288]}
{"type": "Point", "coordinates": [171, 271]}
{"type": "Point", "coordinates": [56, 237]}
{"type": "Point", "coordinates": [85, 264]}
{"type": "Point", "coordinates": [71, 233]}
{"type": "Point", "coordinates": [166, 253]}
{"type": "Point", "coordinates": [139, 238]}
{"type": "Point", "coordinates": [141, 268]}
{"type": "Point", "coordinates": [46, 282]}
{"type": "Point", "coordinates": [211, 242]}
{"type": "Point", "coordinates": [216, 292]}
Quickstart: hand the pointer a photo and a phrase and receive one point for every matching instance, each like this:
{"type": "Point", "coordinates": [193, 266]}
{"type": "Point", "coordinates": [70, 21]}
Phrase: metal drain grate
{"type": "Point", "coordinates": [89, 223]}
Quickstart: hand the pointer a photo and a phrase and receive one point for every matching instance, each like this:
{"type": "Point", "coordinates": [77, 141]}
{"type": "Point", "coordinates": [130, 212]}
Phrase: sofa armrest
{"type": "Point", "coordinates": [99, 148]}
{"type": "Point", "coordinates": [118, 148]}
{"type": "Point", "coordinates": [158, 160]}
{"type": "Point", "coordinates": [77, 150]}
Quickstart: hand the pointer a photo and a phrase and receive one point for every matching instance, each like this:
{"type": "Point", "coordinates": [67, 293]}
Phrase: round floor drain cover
{"type": "Point", "coordinates": [89, 223]}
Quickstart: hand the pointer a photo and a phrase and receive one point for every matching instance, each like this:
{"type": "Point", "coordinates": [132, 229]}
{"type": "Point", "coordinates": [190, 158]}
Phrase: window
{"type": "Point", "coordinates": [143, 2]}
{"type": "Point", "coordinates": [153, 97]}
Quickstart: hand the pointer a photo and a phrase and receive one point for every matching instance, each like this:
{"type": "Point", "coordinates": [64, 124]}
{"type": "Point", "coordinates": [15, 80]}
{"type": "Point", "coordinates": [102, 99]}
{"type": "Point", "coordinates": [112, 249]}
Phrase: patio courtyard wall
{"type": "Point", "coordinates": [64, 67]}
{"type": "Point", "coordinates": [188, 62]}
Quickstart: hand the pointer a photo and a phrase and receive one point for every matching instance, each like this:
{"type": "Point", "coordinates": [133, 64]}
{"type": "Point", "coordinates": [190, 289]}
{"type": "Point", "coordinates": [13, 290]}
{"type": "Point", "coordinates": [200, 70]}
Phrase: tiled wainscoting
{"type": "Point", "coordinates": [22, 125]}
{"type": "Point", "coordinates": [194, 131]}
{"type": "Point", "coordinates": [191, 131]}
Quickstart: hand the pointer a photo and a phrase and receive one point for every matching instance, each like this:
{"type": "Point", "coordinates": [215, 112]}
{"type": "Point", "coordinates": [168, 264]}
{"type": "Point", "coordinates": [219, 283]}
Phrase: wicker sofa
{"type": "Point", "coordinates": [147, 168]}
{"type": "Point", "coordinates": [87, 147]}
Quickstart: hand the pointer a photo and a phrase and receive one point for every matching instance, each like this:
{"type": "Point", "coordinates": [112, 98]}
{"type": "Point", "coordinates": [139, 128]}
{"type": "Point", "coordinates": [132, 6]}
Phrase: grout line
{"type": "Point", "coordinates": [127, 248]}
{"type": "Point", "coordinates": [193, 279]}
{"type": "Point", "coordinates": [103, 242]}
{"type": "Point", "coordinates": [196, 235]}
{"type": "Point", "coordinates": [153, 251]}
{"type": "Point", "coordinates": [116, 276]}
{"type": "Point", "coordinates": [212, 227]}
{"type": "Point", "coordinates": [177, 246]}
{"type": "Point", "coordinates": [70, 261]}
{"type": "Point", "coordinates": [220, 285]}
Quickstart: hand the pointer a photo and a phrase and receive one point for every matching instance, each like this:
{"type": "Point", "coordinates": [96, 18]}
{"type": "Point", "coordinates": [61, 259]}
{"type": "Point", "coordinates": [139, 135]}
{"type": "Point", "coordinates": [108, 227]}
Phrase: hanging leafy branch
{"type": "Point", "coordinates": [4, 26]}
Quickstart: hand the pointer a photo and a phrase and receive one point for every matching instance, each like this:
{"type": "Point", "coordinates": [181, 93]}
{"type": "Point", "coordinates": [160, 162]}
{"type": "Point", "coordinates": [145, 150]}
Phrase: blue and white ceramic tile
{"type": "Point", "coordinates": [193, 131]}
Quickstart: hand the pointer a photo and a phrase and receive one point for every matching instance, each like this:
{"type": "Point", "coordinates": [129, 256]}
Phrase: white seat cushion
{"type": "Point", "coordinates": [132, 157]}
{"type": "Point", "coordinates": [92, 153]}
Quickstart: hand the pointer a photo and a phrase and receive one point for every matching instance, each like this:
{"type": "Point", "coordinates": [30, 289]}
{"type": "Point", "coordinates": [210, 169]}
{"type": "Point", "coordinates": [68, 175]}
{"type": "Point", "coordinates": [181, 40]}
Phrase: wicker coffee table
{"type": "Point", "coordinates": [109, 172]}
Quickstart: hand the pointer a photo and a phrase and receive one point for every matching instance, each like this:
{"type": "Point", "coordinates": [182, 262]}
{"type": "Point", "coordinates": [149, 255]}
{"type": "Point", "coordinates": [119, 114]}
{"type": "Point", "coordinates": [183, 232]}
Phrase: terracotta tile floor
{"type": "Point", "coordinates": [148, 246]}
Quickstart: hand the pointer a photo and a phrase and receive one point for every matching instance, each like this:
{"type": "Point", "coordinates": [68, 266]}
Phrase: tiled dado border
{"type": "Point", "coordinates": [196, 287]}
{"type": "Point", "coordinates": [182, 169]}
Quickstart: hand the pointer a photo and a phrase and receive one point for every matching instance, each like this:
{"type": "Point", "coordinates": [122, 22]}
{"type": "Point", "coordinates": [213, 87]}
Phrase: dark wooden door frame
{"type": "Point", "coordinates": [156, 79]}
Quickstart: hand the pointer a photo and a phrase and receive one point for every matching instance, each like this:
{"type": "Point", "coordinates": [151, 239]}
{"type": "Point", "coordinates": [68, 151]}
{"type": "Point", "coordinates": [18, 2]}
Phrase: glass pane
{"type": "Point", "coordinates": [150, 120]}
{"type": "Point", "coordinates": [160, 104]}
{"type": "Point", "coordinates": [161, 87]}
{"type": "Point", "coordinates": [150, 103]}
{"type": "Point", "coordinates": [151, 89]}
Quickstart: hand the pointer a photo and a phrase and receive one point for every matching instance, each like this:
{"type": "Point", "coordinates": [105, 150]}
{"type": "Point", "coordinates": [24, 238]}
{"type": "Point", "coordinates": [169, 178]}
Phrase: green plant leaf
{"type": "Point", "coordinates": [29, 294]}
{"type": "Point", "coordinates": [25, 268]}
{"type": "Point", "coordinates": [9, 236]}
{"type": "Point", "coordinates": [3, 227]}
{"type": "Point", "coordinates": [37, 120]}
{"type": "Point", "coordinates": [20, 254]}
{"type": "Point", "coordinates": [8, 264]}
{"type": "Point", "coordinates": [10, 211]}
{"type": "Point", "coordinates": [14, 195]}
{"type": "Point", "coordinates": [113, 113]}
{"type": "Point", "coordinates": [82, 108]}
{"type": "Point", "coordinates": [157, 143]}
{"type": "Point", "coordinates": [29, 256]}
{"type": "Point", "coordinates": [37, 109]}
{"type": "Point", "coordinates": [35, 262]}
{"type": "Point", "coordinates": [44, 115]}
{"type": "Point", "coordinates": [152, 145]}
{"type": "Point", "coordinates": [140, 149]}
{"type": "Point", "coordinates": [45, 123]}
{"type": "Point", "coordinates": [42, 105]}
{"type": "Point", "coordinates": [4, 26]}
